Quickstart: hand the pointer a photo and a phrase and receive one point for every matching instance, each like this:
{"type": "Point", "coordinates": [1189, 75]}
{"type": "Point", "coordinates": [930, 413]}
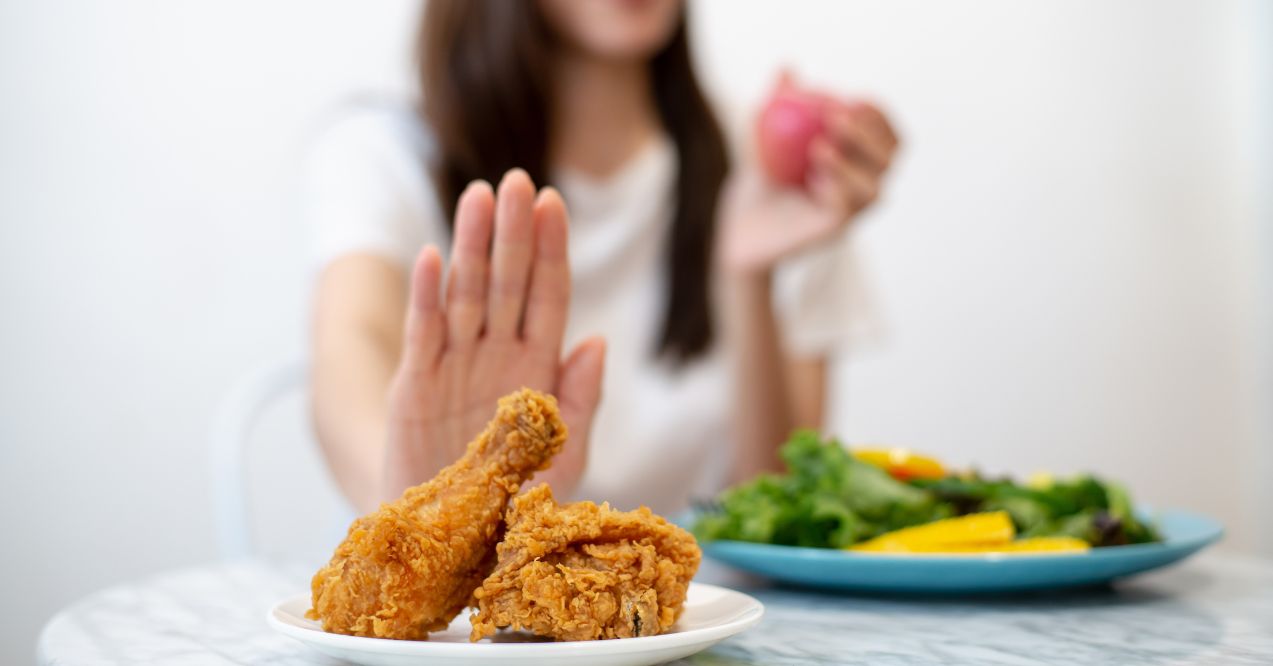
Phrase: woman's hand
{"type": "Point", "coordinates": [763, 223]}
{"type": "Point", "coordinates": [499, 327]}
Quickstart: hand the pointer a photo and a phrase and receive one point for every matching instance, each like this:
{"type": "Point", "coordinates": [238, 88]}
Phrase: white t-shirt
{"type": "Point", "coordinates": [662, 435]}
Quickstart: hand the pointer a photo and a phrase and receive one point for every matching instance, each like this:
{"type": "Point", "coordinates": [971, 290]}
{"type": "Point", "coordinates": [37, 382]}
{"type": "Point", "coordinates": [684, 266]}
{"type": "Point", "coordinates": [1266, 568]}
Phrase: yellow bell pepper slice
{"type": "Point", "coordinates": [1029, 545]}
{"type": "Point", "coordinates": [1040, 481]}
{"type": "Point", "coordinates": [976, 529]}
{"type": "Point", "coordinates": [902, 464]}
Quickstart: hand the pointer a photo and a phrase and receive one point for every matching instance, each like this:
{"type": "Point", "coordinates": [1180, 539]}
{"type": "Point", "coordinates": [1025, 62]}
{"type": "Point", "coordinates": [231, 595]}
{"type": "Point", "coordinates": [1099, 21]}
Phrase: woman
{"type": "Point", "coordinates": [714, 297]}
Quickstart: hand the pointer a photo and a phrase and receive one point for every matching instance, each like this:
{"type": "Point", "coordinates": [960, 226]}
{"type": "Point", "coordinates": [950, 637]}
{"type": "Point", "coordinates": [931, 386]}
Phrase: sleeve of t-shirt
{"type": "Point", "coordinates": [822, 302]}
{"type": "Point", "coordinates": [365, 190]}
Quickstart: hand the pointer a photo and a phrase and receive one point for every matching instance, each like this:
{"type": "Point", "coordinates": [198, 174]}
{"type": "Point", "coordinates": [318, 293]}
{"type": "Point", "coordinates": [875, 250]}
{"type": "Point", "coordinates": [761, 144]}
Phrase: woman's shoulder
{"type": "Point", "coordinates": [366, 184]}
{"type": "Point", "coordinates": [373, 129]}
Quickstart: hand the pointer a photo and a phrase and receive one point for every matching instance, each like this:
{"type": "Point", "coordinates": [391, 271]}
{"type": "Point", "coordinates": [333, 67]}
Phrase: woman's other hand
{"type": "Point", "coordinates": [762, 222]}
{"type": "Point", "coordinates": [497, 327]}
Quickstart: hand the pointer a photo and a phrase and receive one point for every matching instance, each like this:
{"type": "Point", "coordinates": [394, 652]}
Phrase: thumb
{"type": "Point", "coordinates": [578, 393]}
{"type": "Point", "coordinates": [579, 383]}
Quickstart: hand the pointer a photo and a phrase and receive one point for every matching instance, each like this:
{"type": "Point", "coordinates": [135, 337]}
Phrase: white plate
{"type": "Point", "coordinates": [711, 615]}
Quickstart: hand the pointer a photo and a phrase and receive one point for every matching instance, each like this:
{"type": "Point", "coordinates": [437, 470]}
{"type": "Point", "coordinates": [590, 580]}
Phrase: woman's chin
{"type": "Point", "coordinates": [619, 30]}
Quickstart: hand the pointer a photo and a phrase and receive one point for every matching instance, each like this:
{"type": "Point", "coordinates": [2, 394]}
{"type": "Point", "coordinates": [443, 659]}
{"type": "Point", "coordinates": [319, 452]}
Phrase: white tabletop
{"type": "Point", "coordinates": [1212, 609]}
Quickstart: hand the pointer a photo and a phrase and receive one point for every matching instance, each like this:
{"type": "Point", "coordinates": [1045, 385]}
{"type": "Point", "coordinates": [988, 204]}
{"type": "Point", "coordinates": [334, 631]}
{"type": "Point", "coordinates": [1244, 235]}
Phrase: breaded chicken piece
{"type": "Point", "coordinates": [582, 572]}
{"type": "Point", "coordinates": [411, 566]}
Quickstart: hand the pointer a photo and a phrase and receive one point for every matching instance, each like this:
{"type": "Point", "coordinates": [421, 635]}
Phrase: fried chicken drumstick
{"type": "Point", "coordinates": [582, 572]}
{"type": "Point", "coordinates": [411, 566]}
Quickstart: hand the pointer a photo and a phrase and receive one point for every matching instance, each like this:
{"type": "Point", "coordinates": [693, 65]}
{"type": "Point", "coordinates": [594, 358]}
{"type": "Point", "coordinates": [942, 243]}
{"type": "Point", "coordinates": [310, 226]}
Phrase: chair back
{"type": "Point", "coordinates": [272, 494]}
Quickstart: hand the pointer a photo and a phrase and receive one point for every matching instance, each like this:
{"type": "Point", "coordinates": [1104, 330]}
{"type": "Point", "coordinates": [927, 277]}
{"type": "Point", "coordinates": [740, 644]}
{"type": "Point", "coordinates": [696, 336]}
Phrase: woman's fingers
{"type": "Point", "coordinates": [426, 324]}
{"type": "Point", "coordinates": [875, 119]}
{"type": "Point", "coordinates": [861, 141]}
{"type": "Point", "coordinates": [466, 281]}
{"type": "Point", "coordinates": [548, 300]}
{"type": "Point", "coordinates": [848, 169]}
{"type": "Point", "coordinates": [514, 247]}
{"type": "Point", "coordinates": [843, 184]}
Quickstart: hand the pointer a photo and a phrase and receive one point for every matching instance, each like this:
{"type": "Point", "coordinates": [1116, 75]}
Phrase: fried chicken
{"type": "Point", "coordinates": [582, 572]}
{"type": "Point", "coordinates": [411, 566]}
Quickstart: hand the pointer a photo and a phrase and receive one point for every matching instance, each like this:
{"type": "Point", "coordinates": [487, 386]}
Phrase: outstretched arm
{"type": "Point", "coordinates": [357, 339]}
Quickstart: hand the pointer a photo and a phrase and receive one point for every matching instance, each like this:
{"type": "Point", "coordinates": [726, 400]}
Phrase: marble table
{"type": "Point", "coordinates": [1214, 609]}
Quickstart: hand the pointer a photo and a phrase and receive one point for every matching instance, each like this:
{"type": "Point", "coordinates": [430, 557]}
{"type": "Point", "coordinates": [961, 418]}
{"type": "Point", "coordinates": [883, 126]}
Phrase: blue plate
{"type": "Point", "coordinates": [1184, 533]}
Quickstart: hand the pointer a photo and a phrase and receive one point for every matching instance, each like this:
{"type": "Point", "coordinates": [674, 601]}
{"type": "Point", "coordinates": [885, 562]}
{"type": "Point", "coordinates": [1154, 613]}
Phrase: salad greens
{"type": "Point", "coordinates": [830, 499]}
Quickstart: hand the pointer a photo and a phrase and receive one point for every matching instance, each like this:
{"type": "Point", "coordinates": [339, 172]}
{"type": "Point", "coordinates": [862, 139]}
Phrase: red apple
{"type": "Point", "coordinates": [788, 123]}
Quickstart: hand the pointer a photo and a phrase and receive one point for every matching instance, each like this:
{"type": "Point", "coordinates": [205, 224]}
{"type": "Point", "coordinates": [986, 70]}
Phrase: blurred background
{"type": "Point", "coordinates": [1073, 260]}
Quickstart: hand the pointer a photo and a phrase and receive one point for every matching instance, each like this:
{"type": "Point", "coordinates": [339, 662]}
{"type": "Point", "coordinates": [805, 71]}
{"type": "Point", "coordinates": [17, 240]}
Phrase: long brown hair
{"type": "Point", "coordinates": [484, 68]}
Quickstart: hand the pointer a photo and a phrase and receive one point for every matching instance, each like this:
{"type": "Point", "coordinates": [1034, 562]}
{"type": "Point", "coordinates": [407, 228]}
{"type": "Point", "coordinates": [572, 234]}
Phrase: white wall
{"type": "Point", "coordinates": [1066, 260]}
{"type": "Point", "coordinates": [149, 254]}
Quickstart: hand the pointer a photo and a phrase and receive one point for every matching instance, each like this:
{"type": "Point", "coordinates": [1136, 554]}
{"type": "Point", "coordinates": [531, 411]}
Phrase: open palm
{"type": "Point", "coordinates": [498, 327]}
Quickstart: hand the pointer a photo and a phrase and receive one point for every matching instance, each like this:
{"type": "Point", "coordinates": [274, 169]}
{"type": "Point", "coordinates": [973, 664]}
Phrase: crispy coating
{"type": "Point", "coordinates": [582, 571]}
{"type": "Point", "coordinates": [411, 566]}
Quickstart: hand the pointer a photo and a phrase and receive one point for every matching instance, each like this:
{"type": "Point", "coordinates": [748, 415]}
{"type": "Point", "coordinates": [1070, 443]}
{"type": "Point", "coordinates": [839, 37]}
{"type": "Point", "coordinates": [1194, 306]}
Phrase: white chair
{"type": "Point", "coordinates": [294, 477]}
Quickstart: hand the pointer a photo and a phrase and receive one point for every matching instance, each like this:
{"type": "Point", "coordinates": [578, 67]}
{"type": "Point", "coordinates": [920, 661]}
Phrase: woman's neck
{"type": "Point", "coordinates": [604, 113]}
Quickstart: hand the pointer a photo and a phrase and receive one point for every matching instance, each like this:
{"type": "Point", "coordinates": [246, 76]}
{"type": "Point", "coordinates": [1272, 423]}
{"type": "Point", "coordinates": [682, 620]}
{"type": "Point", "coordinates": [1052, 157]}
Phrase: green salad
{"type": "Point", "coordinates": [830, 498]}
